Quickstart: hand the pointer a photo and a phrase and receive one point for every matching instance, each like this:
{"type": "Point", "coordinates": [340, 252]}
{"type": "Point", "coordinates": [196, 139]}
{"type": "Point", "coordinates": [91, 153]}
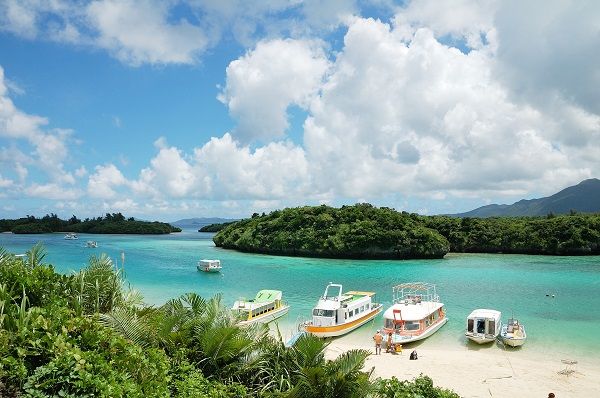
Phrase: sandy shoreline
{"type": "Point", "coordinates": [486, 372]}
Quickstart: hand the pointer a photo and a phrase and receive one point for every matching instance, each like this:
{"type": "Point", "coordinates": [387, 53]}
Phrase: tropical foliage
{"type": "Point", "coordinates": [359, 231]}
{"type": "Point", "coordinates": [114, 223]}
{"type": "Point", "coordinates": [89, 335]}
{"type": "Point", "coordinates": [573, 234]}
{"type": "Point", "coordinates": [364, 231]}
{"type": "Point", "coordinates": [215, 227]}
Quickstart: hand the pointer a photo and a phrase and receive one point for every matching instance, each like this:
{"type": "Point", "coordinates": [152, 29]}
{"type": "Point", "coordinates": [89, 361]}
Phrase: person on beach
{"type": "Point", "coordinates": [413, 355]}
{"type": "Point", "coordinates": [378, 339]}
{"type": "Point", "coordinates": [551, 395]}
{"type": "Point", "coordinates": [390, 344]}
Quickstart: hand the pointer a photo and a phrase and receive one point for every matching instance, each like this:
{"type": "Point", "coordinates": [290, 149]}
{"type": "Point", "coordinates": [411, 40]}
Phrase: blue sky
{"type": "Point", "coordinates": [198, 108]}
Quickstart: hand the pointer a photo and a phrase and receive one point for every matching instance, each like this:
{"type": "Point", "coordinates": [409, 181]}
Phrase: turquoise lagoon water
{"type": "Point", "coordinates": [164, 266]}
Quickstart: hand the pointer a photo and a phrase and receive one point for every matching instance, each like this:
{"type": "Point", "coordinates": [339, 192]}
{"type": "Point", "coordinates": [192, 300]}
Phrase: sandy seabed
{"type": "Point", "coordinates": [487, 371]}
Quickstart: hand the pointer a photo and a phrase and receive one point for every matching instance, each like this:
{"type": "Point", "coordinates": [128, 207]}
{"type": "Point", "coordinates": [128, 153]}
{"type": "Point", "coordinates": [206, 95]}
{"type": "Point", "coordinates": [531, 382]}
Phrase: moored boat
{"type": "Point", "coordinates": [209, 265]}
{"type": "Point", "coordinates": [513, 333]}
{"type": "Point", "coordinates": [265, 307]}
{"type": "Point", "coordinates": [71, 236]}
{"type": "Point", "coordinates": [483, 325]}
{"type": "Point", "coordinates": [91, 243]}
{"type": "Point", "coordinates": [416, 312]}
{"type": "Point", "coordinates": [338, 312]}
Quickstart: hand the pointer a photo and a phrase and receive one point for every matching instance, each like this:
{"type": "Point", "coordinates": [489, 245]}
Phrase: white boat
{"type": "Point", "coordinates": [483, 326]}
{"type": "Point", "coordinates": [513, 333]}
{"type": "Point", "coordinates": [91, 243]}
{"type": "Point", "coordinates": [416, 314]}
{"type": "Point", "coordinates": [209, 265]}
{"type": "Point", "coordinates": [264, 308]}
{"type": "Point", "coordinates": [338, 313]}
{"type": "Point", "coordinates": [71, 236]}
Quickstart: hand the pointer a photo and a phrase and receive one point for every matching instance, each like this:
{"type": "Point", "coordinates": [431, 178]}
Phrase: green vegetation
{"type": "Point", "coordinates": [364, 231]}
{"type": "Point", "coordinates": [215, 227]}
{"type": "Point", "coordinates": [574, 234]}
{"type": "Point", "coordinates": [88, 335]}
{"type": "Point", "coordinates": [114, 223]}
{"type": "Point", "coordinates": [359, 231]}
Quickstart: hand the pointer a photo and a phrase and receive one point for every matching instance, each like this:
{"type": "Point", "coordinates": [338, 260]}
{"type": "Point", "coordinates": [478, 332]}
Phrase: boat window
{"type": "Point", "coordinates": [389, 323]}
{"type": "Point", "coordinates": [470, 325]}
{"type": "Point", "coordinates": [491, 326]}
{"type": "Point", "coordinates": [481, 326]}
{"type": "Point", "coordinates": [321, 312]}
{"type": "Point", "coordinates": [411, 326]}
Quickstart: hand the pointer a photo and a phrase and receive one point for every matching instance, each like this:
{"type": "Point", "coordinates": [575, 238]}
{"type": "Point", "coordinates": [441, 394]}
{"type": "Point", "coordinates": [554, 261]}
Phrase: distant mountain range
{"type": "Point", "coordinates": [582, 198]}
{"type": "Point", "coordinates": [199, 222]}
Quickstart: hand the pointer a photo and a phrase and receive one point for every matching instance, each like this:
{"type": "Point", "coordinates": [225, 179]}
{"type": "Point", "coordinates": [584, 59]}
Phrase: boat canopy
{"type": "Point", "coordinates": [414, 292]}
{"type": "Point", "coordinates": [264, 296]}
{"type": "Point", "coordinates": [485, 313]}
{"type": "Point", "coordinates": [414, 312]}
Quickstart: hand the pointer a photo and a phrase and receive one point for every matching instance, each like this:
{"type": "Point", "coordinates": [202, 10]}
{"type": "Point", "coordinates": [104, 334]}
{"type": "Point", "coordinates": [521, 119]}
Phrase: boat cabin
{"type": "Point", "coordinates": [483, 324]}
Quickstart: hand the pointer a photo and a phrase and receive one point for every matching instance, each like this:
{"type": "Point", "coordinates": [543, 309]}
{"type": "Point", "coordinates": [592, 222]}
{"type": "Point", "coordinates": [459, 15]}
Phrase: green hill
{"type": "Point", "coordinates": [582, 198]}
{"type": "Point", "coordinates": [359, 231]}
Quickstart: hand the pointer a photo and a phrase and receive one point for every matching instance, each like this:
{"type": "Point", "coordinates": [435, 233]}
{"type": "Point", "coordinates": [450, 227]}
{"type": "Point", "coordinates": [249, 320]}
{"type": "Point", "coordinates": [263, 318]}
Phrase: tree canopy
{"type": "Point", "coordinates": [111, 223]}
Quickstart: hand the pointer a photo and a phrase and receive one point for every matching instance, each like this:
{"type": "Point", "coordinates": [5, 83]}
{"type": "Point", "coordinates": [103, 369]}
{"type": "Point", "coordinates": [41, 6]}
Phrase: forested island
{"type": "Point", "coordinates": [360, 231]}
{"type": "Point", "coordinates": [87, 335]}
{"type": "Point", "coordinates": [115, 223]}
{"type": "Point", "coordinates": [365, 231]}
{"type": "Point", "coordinates": [215, 227]}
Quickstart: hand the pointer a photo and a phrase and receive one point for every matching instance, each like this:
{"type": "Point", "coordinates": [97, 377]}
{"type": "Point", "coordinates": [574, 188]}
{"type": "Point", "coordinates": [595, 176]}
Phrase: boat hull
{"type": "Point", "coordinates": [266, 318]}
{"type": "Point", "coordinates": [340, 330]}
{"type": "Point", "coordinates": [513, 342]}
{"type": "Point", "coordinates": [409, 339]}
{"type": "Point", "coordinates": [209, 270]}
{"type": "Point", "coordinates": [481, 339]}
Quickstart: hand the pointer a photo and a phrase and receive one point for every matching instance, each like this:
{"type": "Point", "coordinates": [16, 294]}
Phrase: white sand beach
{"type": "Point", "coordinates": [486, 372]}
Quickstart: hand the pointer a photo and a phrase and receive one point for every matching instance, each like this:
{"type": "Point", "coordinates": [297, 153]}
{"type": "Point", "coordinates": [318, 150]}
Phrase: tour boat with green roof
{"type": "Point", "coordinates": [264, 308]}
{"type": "Point", "coordinates": [338, 312]}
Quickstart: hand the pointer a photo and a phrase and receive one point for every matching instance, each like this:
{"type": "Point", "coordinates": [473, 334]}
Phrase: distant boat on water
{"type": "Point", "coordinates": [209, 266]}
{"type": "Point", "coordinates": [483, 325]}
{"type": "Point", "coordinates": [91, 244]}
{"type": "Point", "coordinates": [71, 236]}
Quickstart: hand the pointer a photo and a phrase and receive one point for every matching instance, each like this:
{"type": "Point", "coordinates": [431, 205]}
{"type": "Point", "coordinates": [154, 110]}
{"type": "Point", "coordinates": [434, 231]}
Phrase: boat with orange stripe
{"type": "Point", "coordinates": [338, 312]}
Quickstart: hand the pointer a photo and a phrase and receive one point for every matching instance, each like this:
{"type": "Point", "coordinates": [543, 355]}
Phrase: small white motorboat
{"type": "Point", "coordinates": [264, 308]}
{"type": "Point", "coordinates": [71, 236]}
{"type": "Point", "coordinates": [91, 243]}
{"type": "Point", "coordinates": [483, 326]}
{"type": "Point", "coordinates": [209, 265]}
{"type": "Point", "coordinates": [513, 333]}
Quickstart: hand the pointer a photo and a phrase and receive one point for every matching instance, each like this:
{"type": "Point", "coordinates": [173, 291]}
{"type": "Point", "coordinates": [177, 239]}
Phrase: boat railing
{"type": "Point", "coordinates": [414, 293]}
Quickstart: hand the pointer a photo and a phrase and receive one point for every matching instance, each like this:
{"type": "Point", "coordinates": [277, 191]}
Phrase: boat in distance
{"type": "Point", "coordinates": [338, 312]}
{"type": "Point", "coordinates": [266, 306]}
{"type": "Point", "coordinates": [483, 325]}
{"type": "Point", "coordinates": [71, 236]}
{"type": "Point", "coordinates": [91, 244]}
{"type": "Point", "coordinates": [416, 312]}
{"type": "Point", "coordinates": [209, 265]}
{"type": "Point", "coordinates": [513, 333]}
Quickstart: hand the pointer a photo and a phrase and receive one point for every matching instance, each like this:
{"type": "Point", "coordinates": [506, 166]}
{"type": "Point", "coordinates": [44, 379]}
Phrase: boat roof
{"type": "Point", "coordinates": [413, 312]}
{"type": "Point", "coordinates": [485, 313]}
{"type": "Point", "coordinates": [359, 293]}
{"type": "Point", "coordinates": [267, 295]}
{"type": "Point", "coordinates": [210, 261]}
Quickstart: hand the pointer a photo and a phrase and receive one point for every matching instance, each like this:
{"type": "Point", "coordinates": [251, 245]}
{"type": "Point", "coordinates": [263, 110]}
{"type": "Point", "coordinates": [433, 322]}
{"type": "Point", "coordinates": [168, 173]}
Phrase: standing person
{"type": "Point", "coordinates": [390, 344]}
{"type": "Point", "coordinates": [551, 395]}
{"type": "Point", "coordinates": [378, 339]}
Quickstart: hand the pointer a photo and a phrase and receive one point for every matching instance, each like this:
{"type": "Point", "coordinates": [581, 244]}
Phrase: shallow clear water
{"type": "Point", "coordinates": [164, 266]}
